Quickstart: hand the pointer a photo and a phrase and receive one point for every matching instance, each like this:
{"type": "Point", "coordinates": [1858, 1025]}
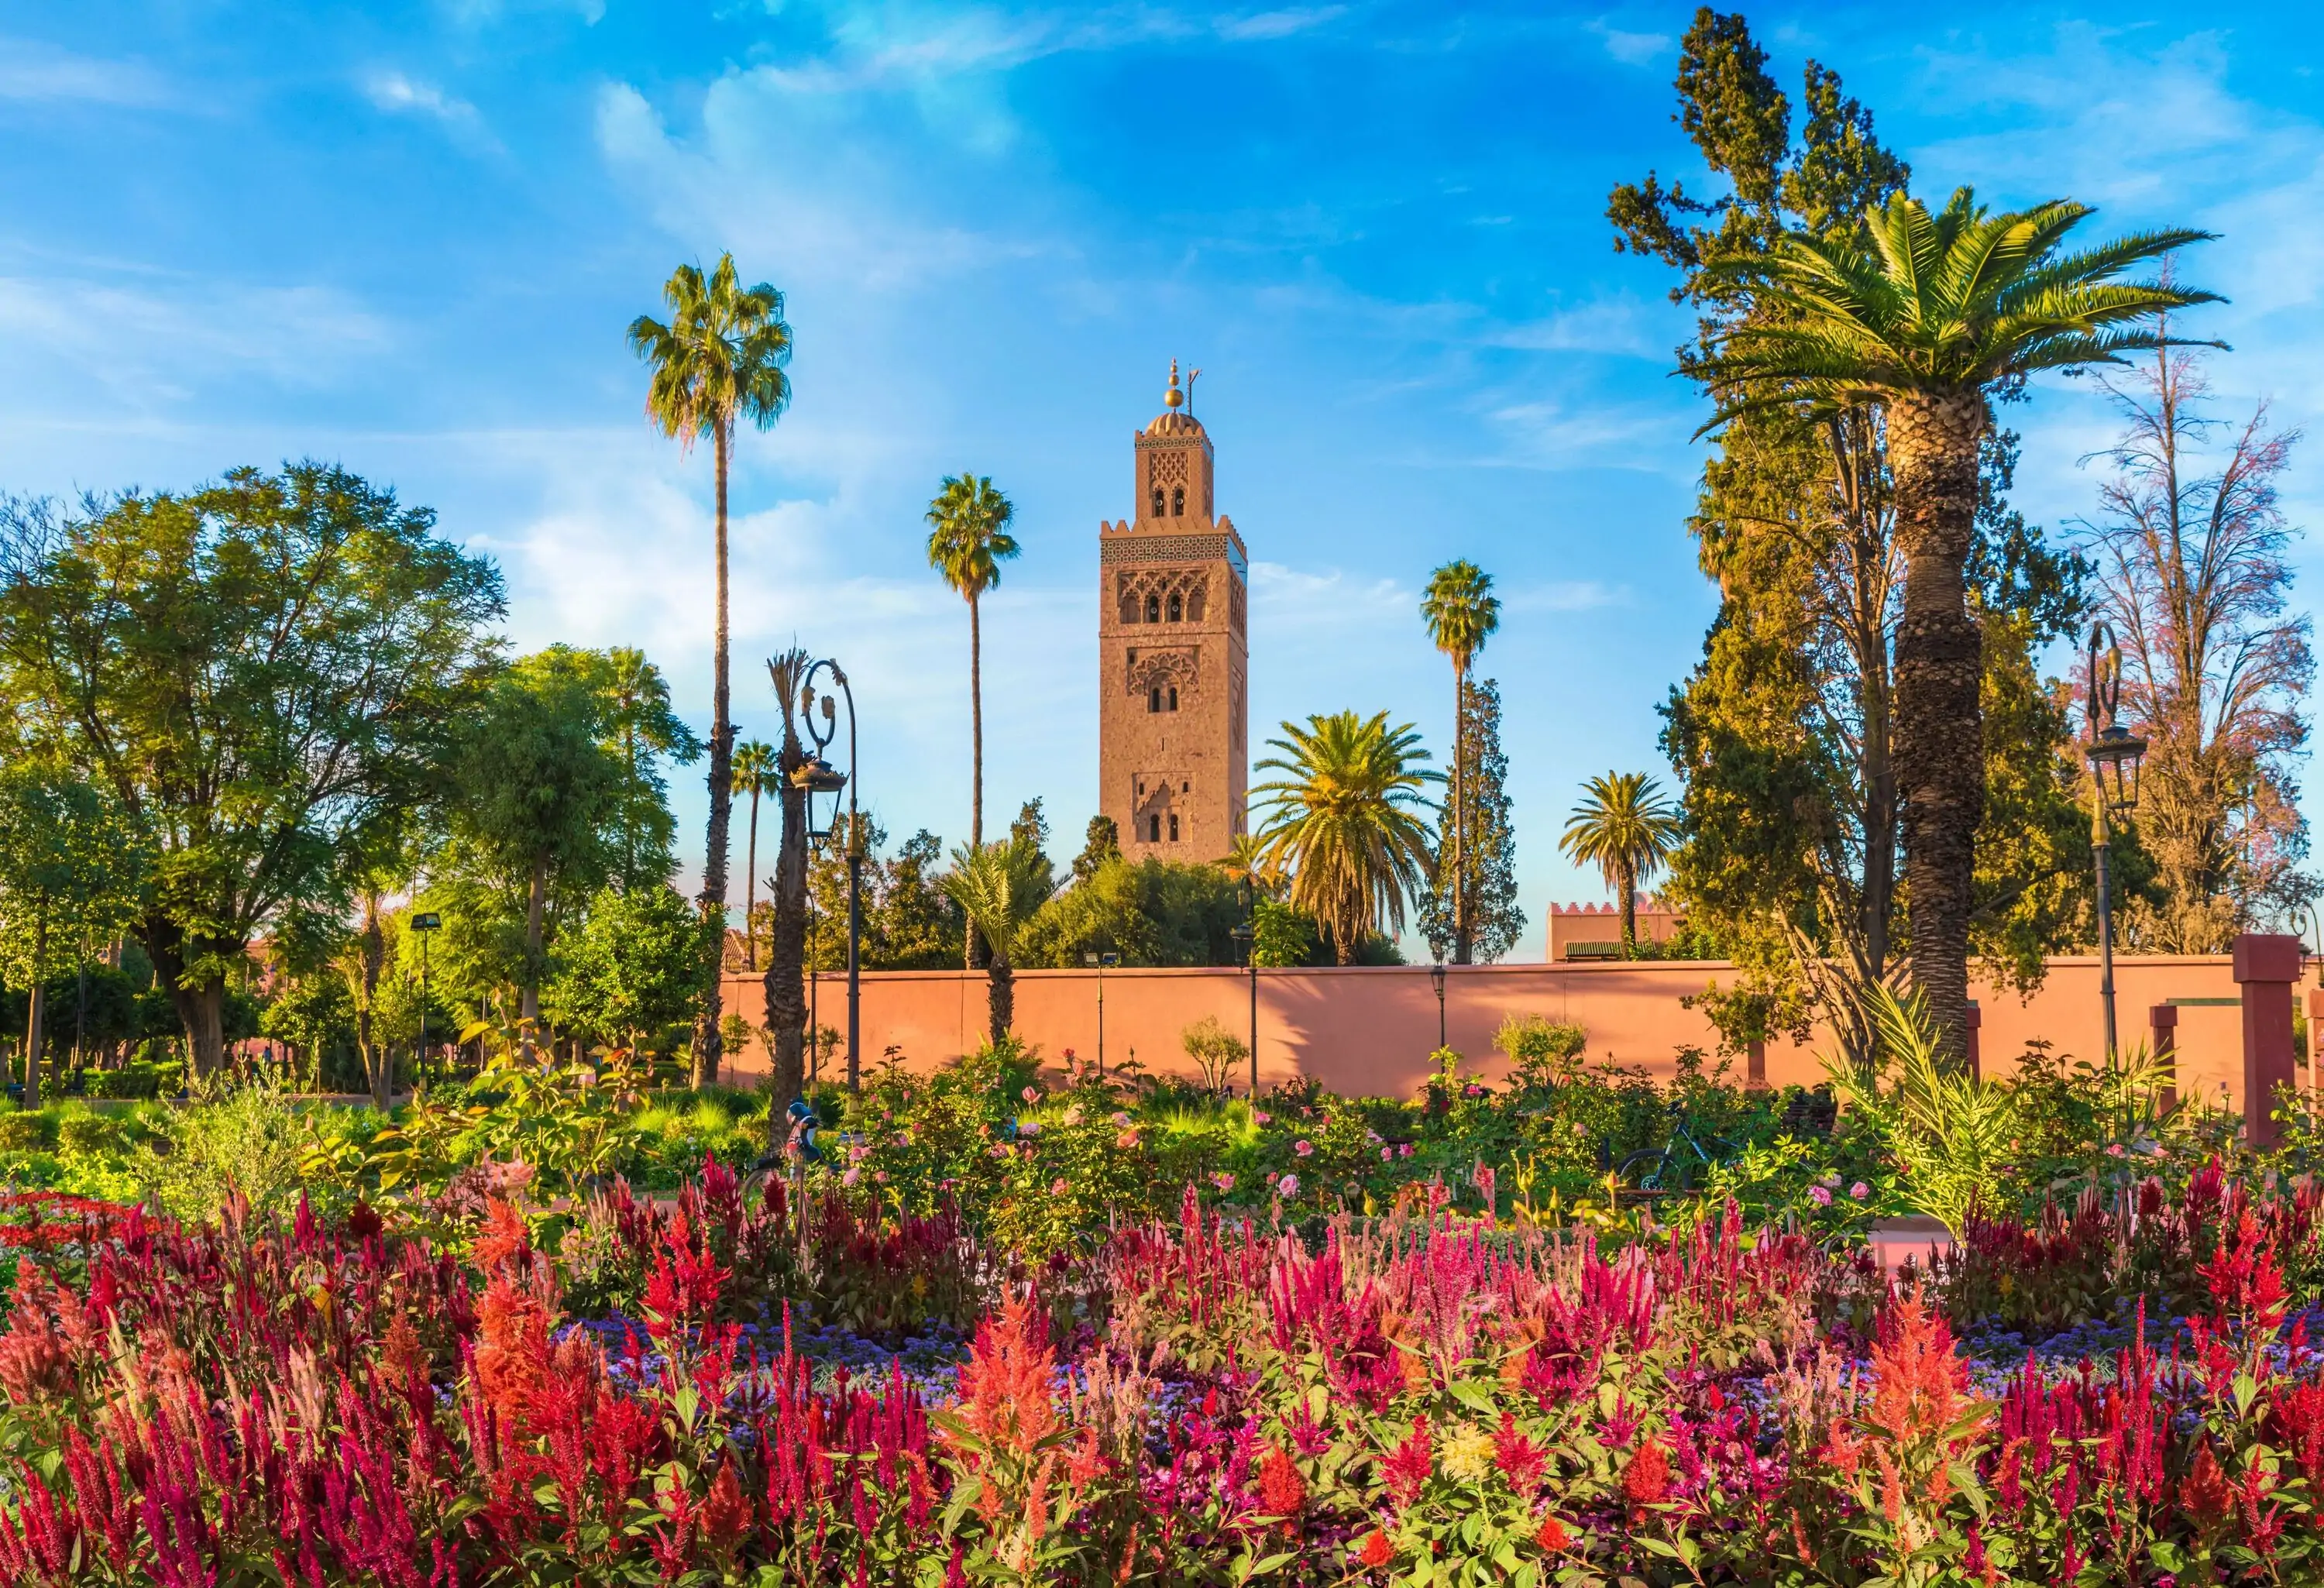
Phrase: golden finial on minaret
{"type": "Point", "coordinates": [1173, 397]}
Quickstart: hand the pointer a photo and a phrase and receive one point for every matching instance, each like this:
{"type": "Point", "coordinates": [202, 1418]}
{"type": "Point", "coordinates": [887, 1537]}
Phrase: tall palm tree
{"type": "Point", "coordinates": [1462, 612]}
{"type": "Point", "coordinates": [1246, 861]}
{"type": "Point", "coordinates": [1344, 822]}
{"type": "Point", "coordinates": [968, 540]}
{"type": "Point", "coordinates": [1937, 309]}
{"type": "Point", "coordinates": [753, 773]}
{"type": "Point", "coordinates": [1627, 829]}
{"type": "Point", "coordinates": [719, 360]}
{"type": "Point", "coordinates": [998, 886]}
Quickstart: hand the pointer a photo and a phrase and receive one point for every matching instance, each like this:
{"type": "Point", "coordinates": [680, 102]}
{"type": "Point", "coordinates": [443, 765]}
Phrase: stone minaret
{"type": "Point", "coordinates": [1174, 736]}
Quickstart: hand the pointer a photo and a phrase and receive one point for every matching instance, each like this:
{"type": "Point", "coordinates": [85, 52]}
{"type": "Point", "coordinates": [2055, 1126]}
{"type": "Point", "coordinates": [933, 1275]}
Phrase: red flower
{"type": "Point", "coordinates": [1376, 1551]}
{"type": "Point", "coordinates": [1647, 1480]}
{"type": "Point", "coordinates": [726, 1514]}
{"type": "Point", "coordinates": [2205, 1492]}
{"type": "Point", "coordinates": [1521, 1461]}
{"type": "Point", "coordinates": [1552, 1537]}
{"type": "Point", "coordinates": [1409, 1464]}
{"type": "Point", "coordinates": [1281, 1491]}
{"type": "Point", "coordinates": [503, 1239]}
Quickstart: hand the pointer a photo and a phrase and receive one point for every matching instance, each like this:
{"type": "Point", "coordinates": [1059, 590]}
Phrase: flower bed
{"type": "Point", "coordinates": [628, 1393]}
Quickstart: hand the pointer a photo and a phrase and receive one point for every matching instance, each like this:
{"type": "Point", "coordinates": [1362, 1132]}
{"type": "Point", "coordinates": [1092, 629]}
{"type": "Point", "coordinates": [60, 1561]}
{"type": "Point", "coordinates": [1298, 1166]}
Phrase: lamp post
{"type": "Point", "coordinates": [426, 923]}
{"type": "Point", "coordinates": [830, 781]}
{"type": "Point", "coordinates": [1436, 977]}
{"type": "Point", "coordinates": [2113, 753]}
{"type": "Point", "coordinates": [1100, 960]}
{"type": "Point", "coordinates": [1247, 934]}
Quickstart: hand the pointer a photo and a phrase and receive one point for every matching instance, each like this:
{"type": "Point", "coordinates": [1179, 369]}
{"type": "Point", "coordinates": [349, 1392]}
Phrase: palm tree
{"type": "Point", "coordinates": [1939, 309]}
{"type": "Point", "coordinates": [968, 540]}
{"type": "Point", "coordinates": [720, 359]}
{"type": "Point", "coordinates": [1344, 822]}
{"type": "Point", "coordinates": [1627, 829]}
{"type": "Point", "coordinates": [1462, 613]}
{"type": "Point", "coordinates": [998, 886]}
{"type": "Point", "coordinates": [753, 774]}
{"type": "Point", "coordinates": [1246, 861]}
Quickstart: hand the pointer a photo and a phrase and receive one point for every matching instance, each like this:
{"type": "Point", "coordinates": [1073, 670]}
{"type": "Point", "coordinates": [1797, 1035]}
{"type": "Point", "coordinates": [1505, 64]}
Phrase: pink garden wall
{"type": "Point", "coordinates": [1369, 1031]}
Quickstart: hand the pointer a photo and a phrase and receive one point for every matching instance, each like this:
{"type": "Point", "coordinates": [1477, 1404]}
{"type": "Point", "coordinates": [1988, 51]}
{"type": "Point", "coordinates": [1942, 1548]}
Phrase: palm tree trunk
{"type": "Point", "coordinates": [722, 794]}
{"type": "Point", "coordinates": [1939, 743]}
{"type": "Point", "coordinates": [1001, 998]}
{"type": "Point", "coordinates": [750, 890]}
{"type": "Point", "coordinates": [1459, 817]}
{"type": "Point", "coordinates": [1629, 891]}
{"type": "Point", "coordinates": [976, 757]}
{"type": "Point", "coordinates": [785, 984]}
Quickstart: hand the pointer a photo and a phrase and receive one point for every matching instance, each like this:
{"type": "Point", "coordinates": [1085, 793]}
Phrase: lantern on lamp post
{"type": "Point", "coordinates": [2113, 753]}
{"type": "Point", "coordinates": [818, 776]}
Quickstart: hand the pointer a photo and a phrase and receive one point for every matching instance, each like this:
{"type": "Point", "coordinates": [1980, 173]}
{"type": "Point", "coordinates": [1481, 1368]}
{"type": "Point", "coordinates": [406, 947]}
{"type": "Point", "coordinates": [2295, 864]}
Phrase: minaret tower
{"type": "Point", "coordinates": [1174, 737]}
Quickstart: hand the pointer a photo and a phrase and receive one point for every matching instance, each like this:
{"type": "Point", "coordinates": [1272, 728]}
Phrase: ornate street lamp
{"type": "Point", "coordinates": [2113, 753]}
{"type": "Point", "coordinates": [426, 923]}
{"type": "Point", "coordinates": [830, 781]}
{"type": "Point", "coordinates": [1436, 977]}
{"type": "Point", "coordinates": [1100, 961]}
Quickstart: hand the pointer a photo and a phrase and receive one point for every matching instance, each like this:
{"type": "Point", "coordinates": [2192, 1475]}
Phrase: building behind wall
{"type": "Point", "coordinates": [1173, 653]}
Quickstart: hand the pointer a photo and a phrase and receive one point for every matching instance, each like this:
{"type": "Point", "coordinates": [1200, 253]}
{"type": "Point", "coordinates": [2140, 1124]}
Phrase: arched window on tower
{"type": "Point", "coordinates": [1174, 826]}
{"type": "Point", "coordinates": [1179, 503]}
{"type": "Point", "coordinates": [1154, 699]}
{"type": "Point", "coordinates": [1173, 697]}
{"type": "Point", "coordinates": [1154, 609]}
{"type": "Point", "coordinates": [1157, 502]}
{"type": "Point", "coordinates": [1153, 829]}
{"type": "Point", "coordinates": [1177, 606]}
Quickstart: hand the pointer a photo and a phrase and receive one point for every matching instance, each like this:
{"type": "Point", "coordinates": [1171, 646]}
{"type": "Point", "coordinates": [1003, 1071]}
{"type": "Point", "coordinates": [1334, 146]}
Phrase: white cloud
{"type": "Point", "coordinates": [43, 74]}
{"type": "Point", "coordinates": [1632, 49]}
{"type": "Point", "coordinates": [398, 95]}
{"type": "Point", "coordinates": [1279, 24]}
{"type": "Point", "coordinates": [1603, 324]}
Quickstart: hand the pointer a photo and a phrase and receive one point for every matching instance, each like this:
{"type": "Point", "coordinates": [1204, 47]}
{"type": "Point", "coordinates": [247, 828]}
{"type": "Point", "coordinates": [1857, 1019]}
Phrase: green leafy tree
{"type": "Point", "coordinates": [1344, 823]}
{"type": "Point", "coordinates": [721, 359]}
{"type": "Point", "coordinates": [537, 791]}
{"type": "Point", "coordinates": [1487, 856]}
{"type": "Point", "coordinates": [968, 540]}
{"type": "Point", "coordinates": [1924, 318]}
{"type": "Point", "coordinates": [1463, 613]}
{"type": "Point", "coordinates": [257, 673]}
{"type": "Point", "coordinates": [1152, 912]}
{"type": "Point", "coordinates": [641, 725]}
{"type": "Point", "coordinates": [633, 970]}
{"type": "Point", "coordinates": [72, 865]}
{"type": "Point", "coordinates": [754, 774]}
{"type": "Point", "coordinates": [1101, 842]}
{"type": "Point", "coordinates": [1627, 829]}
{"type": "Point", "coordinates": [909, 922]}
{"type": "Point", "coordinates": [1000, 887]}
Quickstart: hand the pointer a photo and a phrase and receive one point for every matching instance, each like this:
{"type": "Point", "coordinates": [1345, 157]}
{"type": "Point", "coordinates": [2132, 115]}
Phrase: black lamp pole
{"type": "Point", "coordinates": [425, 923]}
{"type": "Point", "coordinates": [833, 784]}
{"type": "Point", "coordinates": [1436, 975]}
{"type": "Point", "coordinates": [2114, 754]}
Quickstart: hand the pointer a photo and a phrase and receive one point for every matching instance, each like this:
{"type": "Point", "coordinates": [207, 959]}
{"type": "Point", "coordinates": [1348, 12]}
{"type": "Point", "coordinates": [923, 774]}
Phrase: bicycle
{"type": "Point", "coordinates": [1672, 1169]}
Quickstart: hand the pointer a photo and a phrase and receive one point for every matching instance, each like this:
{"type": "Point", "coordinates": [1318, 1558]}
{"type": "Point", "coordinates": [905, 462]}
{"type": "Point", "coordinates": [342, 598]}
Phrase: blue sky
{"type": "Point", "coordinates": [409, 239]}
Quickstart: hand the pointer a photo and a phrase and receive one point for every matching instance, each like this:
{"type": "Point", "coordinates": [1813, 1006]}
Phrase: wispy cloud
{"type": "Point", "coordinates": [1632, 49]}
{"type": "Point", "coordinates": [1279, 24]}
{"type": "Point", "coordinates": [398, 95]}
{"type": "Point", "coordinates": [41, 73]}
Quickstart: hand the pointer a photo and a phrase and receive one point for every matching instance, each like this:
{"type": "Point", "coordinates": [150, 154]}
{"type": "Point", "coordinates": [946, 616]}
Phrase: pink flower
{"type": "Point", "coordinates": [852, 1176]}
{"type": "Point", "coordinates": [998, 1151]}
{"type": "Point", "coordinates": [1261, 1116]}
{"type": "Point", "coordinates": [1860, 1190]}
{"type": "Point", "coordinates": [1403, 1150]}
{"type": "Point", "coordinates": [1387, 1155]}
{"type": "Point", "coordinates": [1029, 1128]}
{"type": "Point", "coordinates": [858, 1153]}
{"type": "Point", "coordinates": [1121, 1118]}
{"type": "Point", "coordinates": [1273, 1176]}
{"type": "Point", "coordinates": [1304, 1148]}
{"type": "Point", "coordinates": [1057, 1187]}
{"type": "Point", "coordinates": [1820, 1196]}
{"type": "Point", "coordinates": [1031, 1094]}
{"type": "Point", "coordinates": [2114, 1151]}
{"type": "Point", "coordinates": [1224, 1182]}
{"type": "Point", "coordinates": [1580, 1128]}
{"type": "Point", "coordinates": [880, 1177]}
{"type": "Point", "coordinates": [1287, 1187]}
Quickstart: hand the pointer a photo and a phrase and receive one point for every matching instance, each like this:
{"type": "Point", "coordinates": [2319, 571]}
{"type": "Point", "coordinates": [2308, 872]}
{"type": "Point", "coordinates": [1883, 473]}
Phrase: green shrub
{"type": "Point", "coordinates": [86, 1135]}
{"type": "Point", "coordinates": [26, 1132]}
{"type": "Point", "coordinates": [253, 1141]}
{"type": "Point", "coordinates": [137, 1080]}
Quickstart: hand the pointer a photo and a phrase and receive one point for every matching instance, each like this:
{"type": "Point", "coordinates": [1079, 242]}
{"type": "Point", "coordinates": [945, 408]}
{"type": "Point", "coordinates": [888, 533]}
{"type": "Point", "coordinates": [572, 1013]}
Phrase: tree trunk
{"type": "Point", "coordinates": [722, 794]}
{"type": "Point", "coordinates": [33, 1010]}
{"type": "Point", "coordinates": [976, 724]}
{"type": "Point", "coordinates": [1001, 998]}
{"type": "Point", "coordinates": [786, 983]}
{"type": "Point", "coordinates": [1628, 889]}
{"type": "Point", "coordinates": [535, 912]}
{"type": "Point", "coordinates": [750, 893]}
{"type": "Point", "coordinates": [1940, 746]}
{"type": "Point", "coordinates": [200, 1010]}
{"type": "Point", "coordinates": [1460, 933]}
{"type": "Point", "coordinates": [379, 1064]}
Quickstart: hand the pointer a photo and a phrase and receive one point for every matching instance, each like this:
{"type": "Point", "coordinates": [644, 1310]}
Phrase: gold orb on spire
{"type": "Point", "coordinates": [1173, 397]}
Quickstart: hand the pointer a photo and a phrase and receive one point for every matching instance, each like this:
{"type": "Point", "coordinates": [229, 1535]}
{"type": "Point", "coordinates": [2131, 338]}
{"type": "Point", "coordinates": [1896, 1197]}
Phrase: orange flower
{"type": "Point", "coordinates": [2205, 1492]}
{"type": "Point", "coordinates": [1553, 1537]}
{"type": "Point", "coordinates": [726, 1514]}
{"type": "Point", "coordinates": [1377, 1551]}
{"type": "Point", "coordinates": [1281, 1490]}
{"type": "Point", "coordinates": [1004, 1386]}
{"type": "Point", "coordinates": [513, 1352]}
{"type": "Point", "coordinates": [504, 1237]}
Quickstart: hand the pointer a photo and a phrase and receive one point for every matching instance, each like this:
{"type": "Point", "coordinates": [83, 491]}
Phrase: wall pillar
{"type": "Point", "coordinates": [2315, 1034]}
{"type": "Point", "coordinates": [2162, 1026]}
{"type": "Point", "coordinates": [1755, 1066]}
{"type": "Point", "coordinates": [2266, 965]}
